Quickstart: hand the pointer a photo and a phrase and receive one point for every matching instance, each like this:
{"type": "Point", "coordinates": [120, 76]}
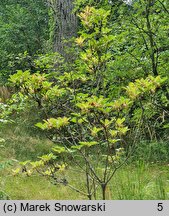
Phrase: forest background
{"type": "Point", "coordinates": [84, 99]}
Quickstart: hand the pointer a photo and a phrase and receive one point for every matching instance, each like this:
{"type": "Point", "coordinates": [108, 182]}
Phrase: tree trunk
{"type": "Point", "coordinates": [104, 185]}
{"type": "Point", "coordinates": [64, 23]}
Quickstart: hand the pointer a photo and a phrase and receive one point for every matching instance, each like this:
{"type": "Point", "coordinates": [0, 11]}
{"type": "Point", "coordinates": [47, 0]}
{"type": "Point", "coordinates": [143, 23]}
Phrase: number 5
{"type": "Point", "coordinates": [160, 207]}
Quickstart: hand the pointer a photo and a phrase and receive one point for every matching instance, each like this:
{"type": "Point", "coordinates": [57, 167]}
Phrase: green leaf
{"type": "Point", "coordinates": [88, 144]}
{"type": "Point", "coordinates": [59, 149]}
{"type": "Point", "coordinates": [78, 147]}
{"type": "Point", "coordinates": [119, 122]}
{"type": "Point", "coordinates": [107, 122]}
{"type": "Point", "coordinates": [95, 130]}
{"type": "Point", "coordinates": [24, 163]}
{"type": "Point", "coordinates": [48, 157]}
{"type": "Point", "coordinates": [113, 133]}
{"type": "Point", "coordinates": [41, 125]}
{"type": "Point", "coordinates": [123, 130]}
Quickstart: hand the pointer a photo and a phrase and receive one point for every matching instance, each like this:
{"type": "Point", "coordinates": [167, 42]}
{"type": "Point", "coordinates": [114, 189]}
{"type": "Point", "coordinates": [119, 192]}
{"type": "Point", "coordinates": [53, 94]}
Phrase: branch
{"type": "Point", "coordinates": [166, 10]}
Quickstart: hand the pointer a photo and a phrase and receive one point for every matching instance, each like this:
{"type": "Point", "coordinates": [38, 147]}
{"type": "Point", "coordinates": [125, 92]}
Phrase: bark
{"type": "Point", "coordinates": [65, 23]}
{"type": "Point", "coordinates": [153, 55]}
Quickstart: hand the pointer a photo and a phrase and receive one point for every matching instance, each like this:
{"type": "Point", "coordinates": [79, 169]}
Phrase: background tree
{"type": "Point", "coordinates": [63, 23]}
{"type": "Point", "coordinates": [23, 28]}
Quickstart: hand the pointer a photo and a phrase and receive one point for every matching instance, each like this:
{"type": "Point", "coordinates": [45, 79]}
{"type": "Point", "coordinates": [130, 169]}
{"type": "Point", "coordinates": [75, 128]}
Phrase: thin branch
{"type": "Point", "coordinates": [166, 10]}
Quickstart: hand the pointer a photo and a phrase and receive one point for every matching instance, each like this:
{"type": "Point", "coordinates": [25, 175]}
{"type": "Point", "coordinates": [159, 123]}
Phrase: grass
{"type": "Point", "coordinates": [21, 146]}
{"type": "Point", "coordinates": [138, 180]}
{"type": "Point", "coordinates": [150, 182]}
{"type": "Point", "coordinates": [143, 182]}
{"type": "Point", "coordinates": [36, 188]}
